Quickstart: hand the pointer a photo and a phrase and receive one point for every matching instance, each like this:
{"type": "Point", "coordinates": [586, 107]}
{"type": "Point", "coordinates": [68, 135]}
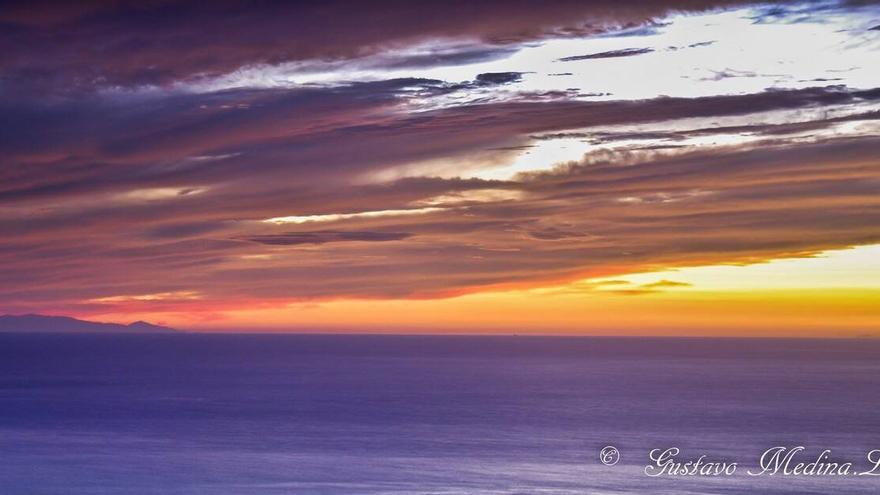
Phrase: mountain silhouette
{"type": "Point", "coordinates": [64, 324]}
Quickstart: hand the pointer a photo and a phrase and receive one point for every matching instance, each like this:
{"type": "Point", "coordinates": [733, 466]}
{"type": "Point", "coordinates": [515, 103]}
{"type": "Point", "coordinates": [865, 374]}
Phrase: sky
{"type": "Point", "coordinates": [670, 167]}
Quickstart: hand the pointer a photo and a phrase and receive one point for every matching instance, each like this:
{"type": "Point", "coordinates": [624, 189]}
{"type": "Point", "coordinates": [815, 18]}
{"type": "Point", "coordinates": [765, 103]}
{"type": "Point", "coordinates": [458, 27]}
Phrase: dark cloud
{"type": "Point", "coordinates": [600, 137]}
{"type": "Point", "coordinates": [626, 52]}
{"type": "Point", "coordinates": [185, 230]}
{"type": "Point", "coordinates": [50, 46]}
{"type": "Point", "coordinates": [496, 78]}
{"type": "Point", "coordinates": [325, 236]}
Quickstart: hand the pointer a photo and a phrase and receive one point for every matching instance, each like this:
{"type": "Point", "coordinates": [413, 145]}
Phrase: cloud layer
{"type": "Point", "coordinates": [133, 176]}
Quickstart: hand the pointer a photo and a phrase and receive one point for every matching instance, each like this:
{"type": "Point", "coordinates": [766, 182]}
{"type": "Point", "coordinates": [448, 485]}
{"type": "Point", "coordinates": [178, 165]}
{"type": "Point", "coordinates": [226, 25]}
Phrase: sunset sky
{"type": "Point", "coordinates": [669, 167]}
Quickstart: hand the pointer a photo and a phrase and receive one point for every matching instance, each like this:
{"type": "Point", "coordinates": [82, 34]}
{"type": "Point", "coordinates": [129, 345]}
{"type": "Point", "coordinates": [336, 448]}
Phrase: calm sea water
{"type": "Point", "coordinates": [362, 415]}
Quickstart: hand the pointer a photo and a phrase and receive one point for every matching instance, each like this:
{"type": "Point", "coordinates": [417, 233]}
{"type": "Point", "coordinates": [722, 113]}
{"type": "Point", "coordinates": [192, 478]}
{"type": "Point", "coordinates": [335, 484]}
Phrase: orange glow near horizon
{"type": "Point", "coordinates": [832, 295]}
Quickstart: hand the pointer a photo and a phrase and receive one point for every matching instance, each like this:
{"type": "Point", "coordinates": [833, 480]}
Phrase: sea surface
{"type": "Point", "coordinates": [364, 415]}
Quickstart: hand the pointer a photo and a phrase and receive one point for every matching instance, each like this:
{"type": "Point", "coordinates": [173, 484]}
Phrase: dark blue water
{"type": "Point", "coordinates": [262, 414]}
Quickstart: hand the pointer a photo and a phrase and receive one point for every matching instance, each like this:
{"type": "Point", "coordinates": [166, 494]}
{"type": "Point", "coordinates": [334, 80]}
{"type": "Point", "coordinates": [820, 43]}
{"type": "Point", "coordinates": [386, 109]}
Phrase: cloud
{"type": "Point", "coordinates": [114, 188]}
{"type": "Point", "coordinates": [303, 134]}
{"type": "Point", "coordinates": [439, 56]}
{"type": "Point", "coordinates": [625, 52]}
{"type": "Point", "coordinates": [665, 284]}
{"type": "Point", "coordinates": [617, 287]}
{"type": "Point", "coordinates": [762, 129]}
{"type": "Point", "coordinates": [556, 234]}
{"type": "Point", "coordinates": [49, 46]}
{"type": "Point", "coordinates": [771, 202]}
{"type": "Point", "coordinates": [325, 236]}
{"type": "Point", "coordinates": [497, 78]}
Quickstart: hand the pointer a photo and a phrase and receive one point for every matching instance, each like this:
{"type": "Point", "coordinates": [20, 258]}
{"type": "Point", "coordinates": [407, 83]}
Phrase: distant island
{"type": "Point", "coordinates": [65, 324]}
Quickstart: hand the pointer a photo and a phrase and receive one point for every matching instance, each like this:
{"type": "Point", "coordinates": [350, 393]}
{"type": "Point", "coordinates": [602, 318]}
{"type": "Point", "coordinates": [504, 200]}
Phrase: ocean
{"type": "Point", "coordinates": [366, 415]}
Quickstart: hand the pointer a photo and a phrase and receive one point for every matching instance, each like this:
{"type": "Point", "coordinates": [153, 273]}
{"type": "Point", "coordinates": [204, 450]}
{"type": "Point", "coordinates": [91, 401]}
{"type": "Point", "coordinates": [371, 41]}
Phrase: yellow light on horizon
{"type": "Point", "coordinates": [832, 294]}
{"type": "Point", "coordinates": [857, 267]}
